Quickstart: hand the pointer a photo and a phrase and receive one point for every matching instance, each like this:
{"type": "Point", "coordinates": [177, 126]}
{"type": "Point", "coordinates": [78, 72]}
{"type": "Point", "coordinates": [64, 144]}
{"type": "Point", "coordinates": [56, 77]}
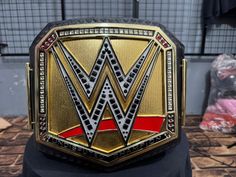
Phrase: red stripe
{"type": "Point", "coordinates": [148, 123]}
{"type": "Point", "coordinates": [107, 124]}
{"type": "Point", "coordinates": [72, 132]}
{"type": "Point", "coordinates": [152, 124]}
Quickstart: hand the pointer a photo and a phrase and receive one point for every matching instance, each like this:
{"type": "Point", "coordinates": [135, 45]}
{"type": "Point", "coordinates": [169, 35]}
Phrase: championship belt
{"type": "Point", "coordinates": [106, 91]}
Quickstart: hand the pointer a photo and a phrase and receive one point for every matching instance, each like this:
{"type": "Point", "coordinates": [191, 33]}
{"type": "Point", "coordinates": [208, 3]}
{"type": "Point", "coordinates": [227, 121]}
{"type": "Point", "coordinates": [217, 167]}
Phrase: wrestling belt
{"type": "Point", "coordinates": [106, 91]}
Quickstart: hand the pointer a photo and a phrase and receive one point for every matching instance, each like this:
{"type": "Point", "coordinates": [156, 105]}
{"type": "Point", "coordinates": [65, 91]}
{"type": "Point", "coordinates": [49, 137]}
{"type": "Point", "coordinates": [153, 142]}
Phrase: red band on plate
{"type": "Point", "coordinates": [152, 124]}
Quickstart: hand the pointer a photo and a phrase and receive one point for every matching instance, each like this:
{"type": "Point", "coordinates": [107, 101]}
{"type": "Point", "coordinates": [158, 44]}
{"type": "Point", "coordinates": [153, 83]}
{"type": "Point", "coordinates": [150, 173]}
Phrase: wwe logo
{"type": "Point", "coordinates": [124, 119]}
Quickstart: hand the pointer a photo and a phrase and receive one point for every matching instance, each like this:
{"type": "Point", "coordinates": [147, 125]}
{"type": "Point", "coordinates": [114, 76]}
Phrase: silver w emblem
{"type": "Point", "coordinates": [124, 119]}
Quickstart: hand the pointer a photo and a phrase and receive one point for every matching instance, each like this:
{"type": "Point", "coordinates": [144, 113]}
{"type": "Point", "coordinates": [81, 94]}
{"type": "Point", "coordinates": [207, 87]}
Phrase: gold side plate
{"type": "Point", "coordinates": [184, 88]}
{"type": "Point", "coordinates": [28, 87]}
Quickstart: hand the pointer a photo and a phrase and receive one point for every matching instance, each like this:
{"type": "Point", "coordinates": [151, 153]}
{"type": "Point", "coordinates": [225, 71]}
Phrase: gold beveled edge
{"type": "Point", "coordinates": [109, 154]}
{"type": "Point", "coordinates": [116, 161]}
{"type": "Point", "coordinates": [175, 86]}
{"type": "Point", "coordinates": [104, 25]}
{"type": "Point", "coordinates": [175, 91]}
{"type": "Point", "coordinates": [135, 26]}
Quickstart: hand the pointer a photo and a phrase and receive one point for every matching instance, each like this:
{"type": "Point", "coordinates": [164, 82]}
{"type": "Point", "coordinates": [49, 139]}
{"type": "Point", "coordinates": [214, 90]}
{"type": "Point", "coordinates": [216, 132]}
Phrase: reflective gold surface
{"type": "Point", "coordinates": [127, 51]}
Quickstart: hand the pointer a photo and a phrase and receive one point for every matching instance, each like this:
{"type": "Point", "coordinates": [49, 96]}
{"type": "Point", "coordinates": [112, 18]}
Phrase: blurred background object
{"type": "Point", "coordinates": [220, 115]}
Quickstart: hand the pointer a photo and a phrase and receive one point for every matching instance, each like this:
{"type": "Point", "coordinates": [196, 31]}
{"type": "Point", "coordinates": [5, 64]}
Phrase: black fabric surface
{"type": "Point", "coordinates": [219, 12]}
{"type": "Point", "coordinates": [174, 162]}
